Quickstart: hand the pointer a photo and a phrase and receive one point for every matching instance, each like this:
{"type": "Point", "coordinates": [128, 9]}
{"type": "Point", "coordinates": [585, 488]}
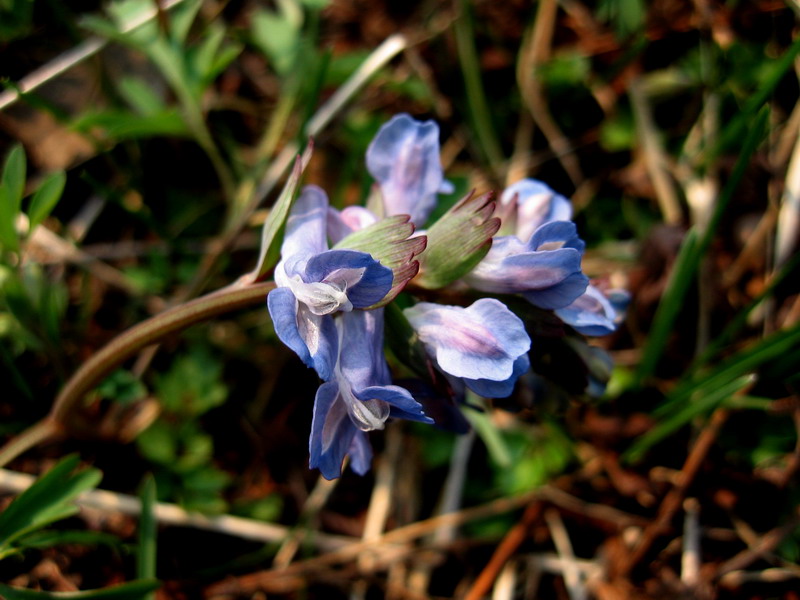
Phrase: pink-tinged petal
{"type": "Point", "coordinates": [479, 342]}
{"type": "Point", "coordinates": [404, 159]}
{"type": "Point", "coordinates": [530, 204]}
{"type": "Point", "coordinates": [591, 314]}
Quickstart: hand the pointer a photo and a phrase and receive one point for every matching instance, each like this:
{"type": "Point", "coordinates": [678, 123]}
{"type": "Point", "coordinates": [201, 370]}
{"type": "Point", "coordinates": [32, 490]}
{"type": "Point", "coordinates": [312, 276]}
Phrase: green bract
{"type": "Point", "coordinates": [389, 242]}
{"type": "Point", "coordinates": [458, 241]}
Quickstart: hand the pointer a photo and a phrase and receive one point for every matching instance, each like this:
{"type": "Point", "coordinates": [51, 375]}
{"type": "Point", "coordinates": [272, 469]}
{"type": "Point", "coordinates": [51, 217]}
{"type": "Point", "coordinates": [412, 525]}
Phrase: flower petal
{"type": "Point", "coordinates": [590, 314]}
{"type": "Point", "coordinates": [331, 432]}
{"type": "Point", "coordinates": [500, 389]}
{"type": "Point", "coordinates": [364, 279]}
{"type": "Point", "coordinates": [306, 227]}
{"type": "Point", "coordinates": [559, 295]}
{"type": "Point", "coordinates": [313, 338]}
{"type": "Point", "coordinates": [478, 342]}
{"type": "Point", "coordinates": [536, 204]}
{"type": "Point", "coordinates": [404, 159]}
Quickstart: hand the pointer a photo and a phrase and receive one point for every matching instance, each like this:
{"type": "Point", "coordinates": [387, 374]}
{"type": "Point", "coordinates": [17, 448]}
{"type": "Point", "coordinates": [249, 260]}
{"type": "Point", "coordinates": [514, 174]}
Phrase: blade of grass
{"type": "Point", "coordinates": [146, 548]}
{"type": "Point", "coordinates": [704, 402]}
{"type": "Point", "coordinates": [476, 98]}
{"type": "Point", "coordinates": [693, 249]}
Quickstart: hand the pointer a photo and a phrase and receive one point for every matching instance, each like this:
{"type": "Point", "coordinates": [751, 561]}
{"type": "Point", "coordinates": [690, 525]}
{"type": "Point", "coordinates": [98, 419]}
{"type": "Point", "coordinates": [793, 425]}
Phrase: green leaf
{"type": "Point", "coordinates": [458, 241]}
{"type": "Point", "coordinates": [701, 403]}
{"type": "Point", "coordinates": [134, 590]}
{"type": "Point", "coordinates": [8, 216]}
{"type": "Point", "coordinates": [488, 432]}
{"type": "Point", "coordinates": [45, 198]}
{"type": "Point", "coordinates": [13, 178]}
{"type": "Point", "coordinates": [140, 96]}
{"type": "Point", "coordinates": [49, 499]}
{"type": "Point", "coordinates": [272, 233]}
{"type": "Point", "coordinates": [49, 538]}
{"type": "Point", "coordinates": [389, 242]}
{"type": "Point", "coordinates": [146, 548]}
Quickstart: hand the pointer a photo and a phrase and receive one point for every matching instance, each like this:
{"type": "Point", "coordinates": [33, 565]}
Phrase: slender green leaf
{"type": "Point", "coordinates": [13, 178]}
{"type": "Point", "coordinates": [488, 432]}
{"type": "Point", "coordinates": [694, 247]}
{"type": "Point", "coordinates": [703, 401]}
{"type": "Point", "coordinates": [49, 499]}
{"type": "Point", "coordinates": [45, 198]}
{"type": "Point", "coordinates": [271, 234]}
{"type": "Point", "coordinates": [140, 96]}
{"type": "Point", "coordinates": [146, 549]}
{"type": "Point", "coordinates": [8, 215]}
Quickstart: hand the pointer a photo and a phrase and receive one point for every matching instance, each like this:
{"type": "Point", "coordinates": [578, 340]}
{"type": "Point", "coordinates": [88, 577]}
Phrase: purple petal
{"type": "Point", "coordinates": [331, 432]}
{"type": "Point", "coordinates": [590, 314]}
{"type": "Point", "coordinates": [478, 342]}
{"type": "Point", "coordinates": [343, 223]}
{"type": "Point", "coordinates": [364, 279]}
{"type": "Point", "coordinates": [360, 453]}
{"type": "Point", "coordinates": [306, 226]}
{"type": "Point", "coordinates": [559, 295]}
{"type": "Point", "coordinates": [402, 404]}
{"type": "Point", "coordinates": [404, 159]}
{"type": "Point", "coordinates": [504, 272]}
{"type": "Point", "coordinates": [536, 204]}
{"type": "Point", "coordinates": [500, 389]}
{"type": "Point", "coordinates": [313, 338]}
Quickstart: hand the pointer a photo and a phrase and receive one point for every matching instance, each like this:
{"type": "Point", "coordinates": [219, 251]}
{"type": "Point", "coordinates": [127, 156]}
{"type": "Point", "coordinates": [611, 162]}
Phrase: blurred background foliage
{"type": "Point", "coordinates": [138, 179]}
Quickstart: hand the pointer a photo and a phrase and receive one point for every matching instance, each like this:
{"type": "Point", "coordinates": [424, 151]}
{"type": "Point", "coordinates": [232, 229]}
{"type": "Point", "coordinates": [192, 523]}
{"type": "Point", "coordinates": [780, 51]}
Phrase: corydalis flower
{"type": "Point", "coordinates": [358, 399]}
{"type": "Point", "coordinates": [595, 313]}
{"type": "Point", "coordinates": [314, 283]}
{"type": "Point", "coordinates": [527, 205]}
{"type": "Point", "coordinates": [546, 269]}
{"type": "Point", "coordinates": [485, 345]}
{"type": "Point", "coordinates": [404, 160]}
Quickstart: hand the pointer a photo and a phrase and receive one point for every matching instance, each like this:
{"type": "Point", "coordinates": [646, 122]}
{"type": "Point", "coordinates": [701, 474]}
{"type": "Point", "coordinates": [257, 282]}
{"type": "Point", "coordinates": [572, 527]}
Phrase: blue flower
{"type": "Point", "coordinates": [484, 345]}
{"type": "Point", "coordinates": [546, 269]}
{"type": "Point", "coordinates": [594, 313]}
{"type": "Point", "coordinates": [314, 283]}
{"type": "Point", "coordinates": [358, 399]}
{"type": "Point", "coordinates": [527, 205]}
{"type": "Point", "coordinates": [404, 160]}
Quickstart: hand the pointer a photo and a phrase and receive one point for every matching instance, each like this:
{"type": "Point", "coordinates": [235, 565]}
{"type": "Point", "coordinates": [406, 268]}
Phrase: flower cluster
{"type": "Point", "coordinates": [339, 269]}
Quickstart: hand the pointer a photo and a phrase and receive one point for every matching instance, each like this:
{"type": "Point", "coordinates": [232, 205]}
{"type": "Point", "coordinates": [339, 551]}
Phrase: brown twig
{"type": "Point", "coordinates": [674, 499]}
{"type": "Point", "coordinates": [513, 539]}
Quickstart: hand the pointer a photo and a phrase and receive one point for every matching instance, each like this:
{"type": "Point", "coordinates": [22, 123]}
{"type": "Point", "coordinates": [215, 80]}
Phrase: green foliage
{"type": "Point", "coordinates": [176, 443]}
{"type": "Point", "coordinates": [50, 499]}
{"type": "Point", "coordinates": [537, 454]}
{"type": "Point", "coordinates": [15, 19]}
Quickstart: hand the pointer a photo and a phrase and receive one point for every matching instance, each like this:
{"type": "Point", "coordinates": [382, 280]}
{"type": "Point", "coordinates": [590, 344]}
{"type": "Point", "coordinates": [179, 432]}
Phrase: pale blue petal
{"type": "Point", "coordinates": [555, 235]}
{"type": "Point", "coordinates": [402, 404]}
{"type": "Point", "coordinates": [331, 432]}
{"type": "Point", "coordinates": [558, 296]}
{"type": "Point", "coordinates": [478, 342]}
{"type": "Point", "coordinates": [313, 338]}
{"type": "Point", "coordinates": [590, 314]}
{"type": "Point", "coordinates": [536, 204]}
{"type": "Point", "coordinates": [306, 226]}
{"type": "Point", "coordinates": [404, 159]}
{"type": "Point", "coordinates": [367, 281]}
{"type": "Point", "coordinates": [360, 453]}
{"type": "Point", "coordinates": [526, 271]}
{"type": "Point", "coordinates": [500, 389]}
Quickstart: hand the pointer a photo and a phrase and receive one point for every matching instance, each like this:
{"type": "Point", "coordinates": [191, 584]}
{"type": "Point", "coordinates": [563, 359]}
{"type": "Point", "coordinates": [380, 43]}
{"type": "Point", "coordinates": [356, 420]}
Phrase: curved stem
{"type": "Point", "coordinates": [123, 346]}
{"type": "Point", "coordinates": [150, 331]}
{"type": "Point", "coordinates": [35, 434]}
